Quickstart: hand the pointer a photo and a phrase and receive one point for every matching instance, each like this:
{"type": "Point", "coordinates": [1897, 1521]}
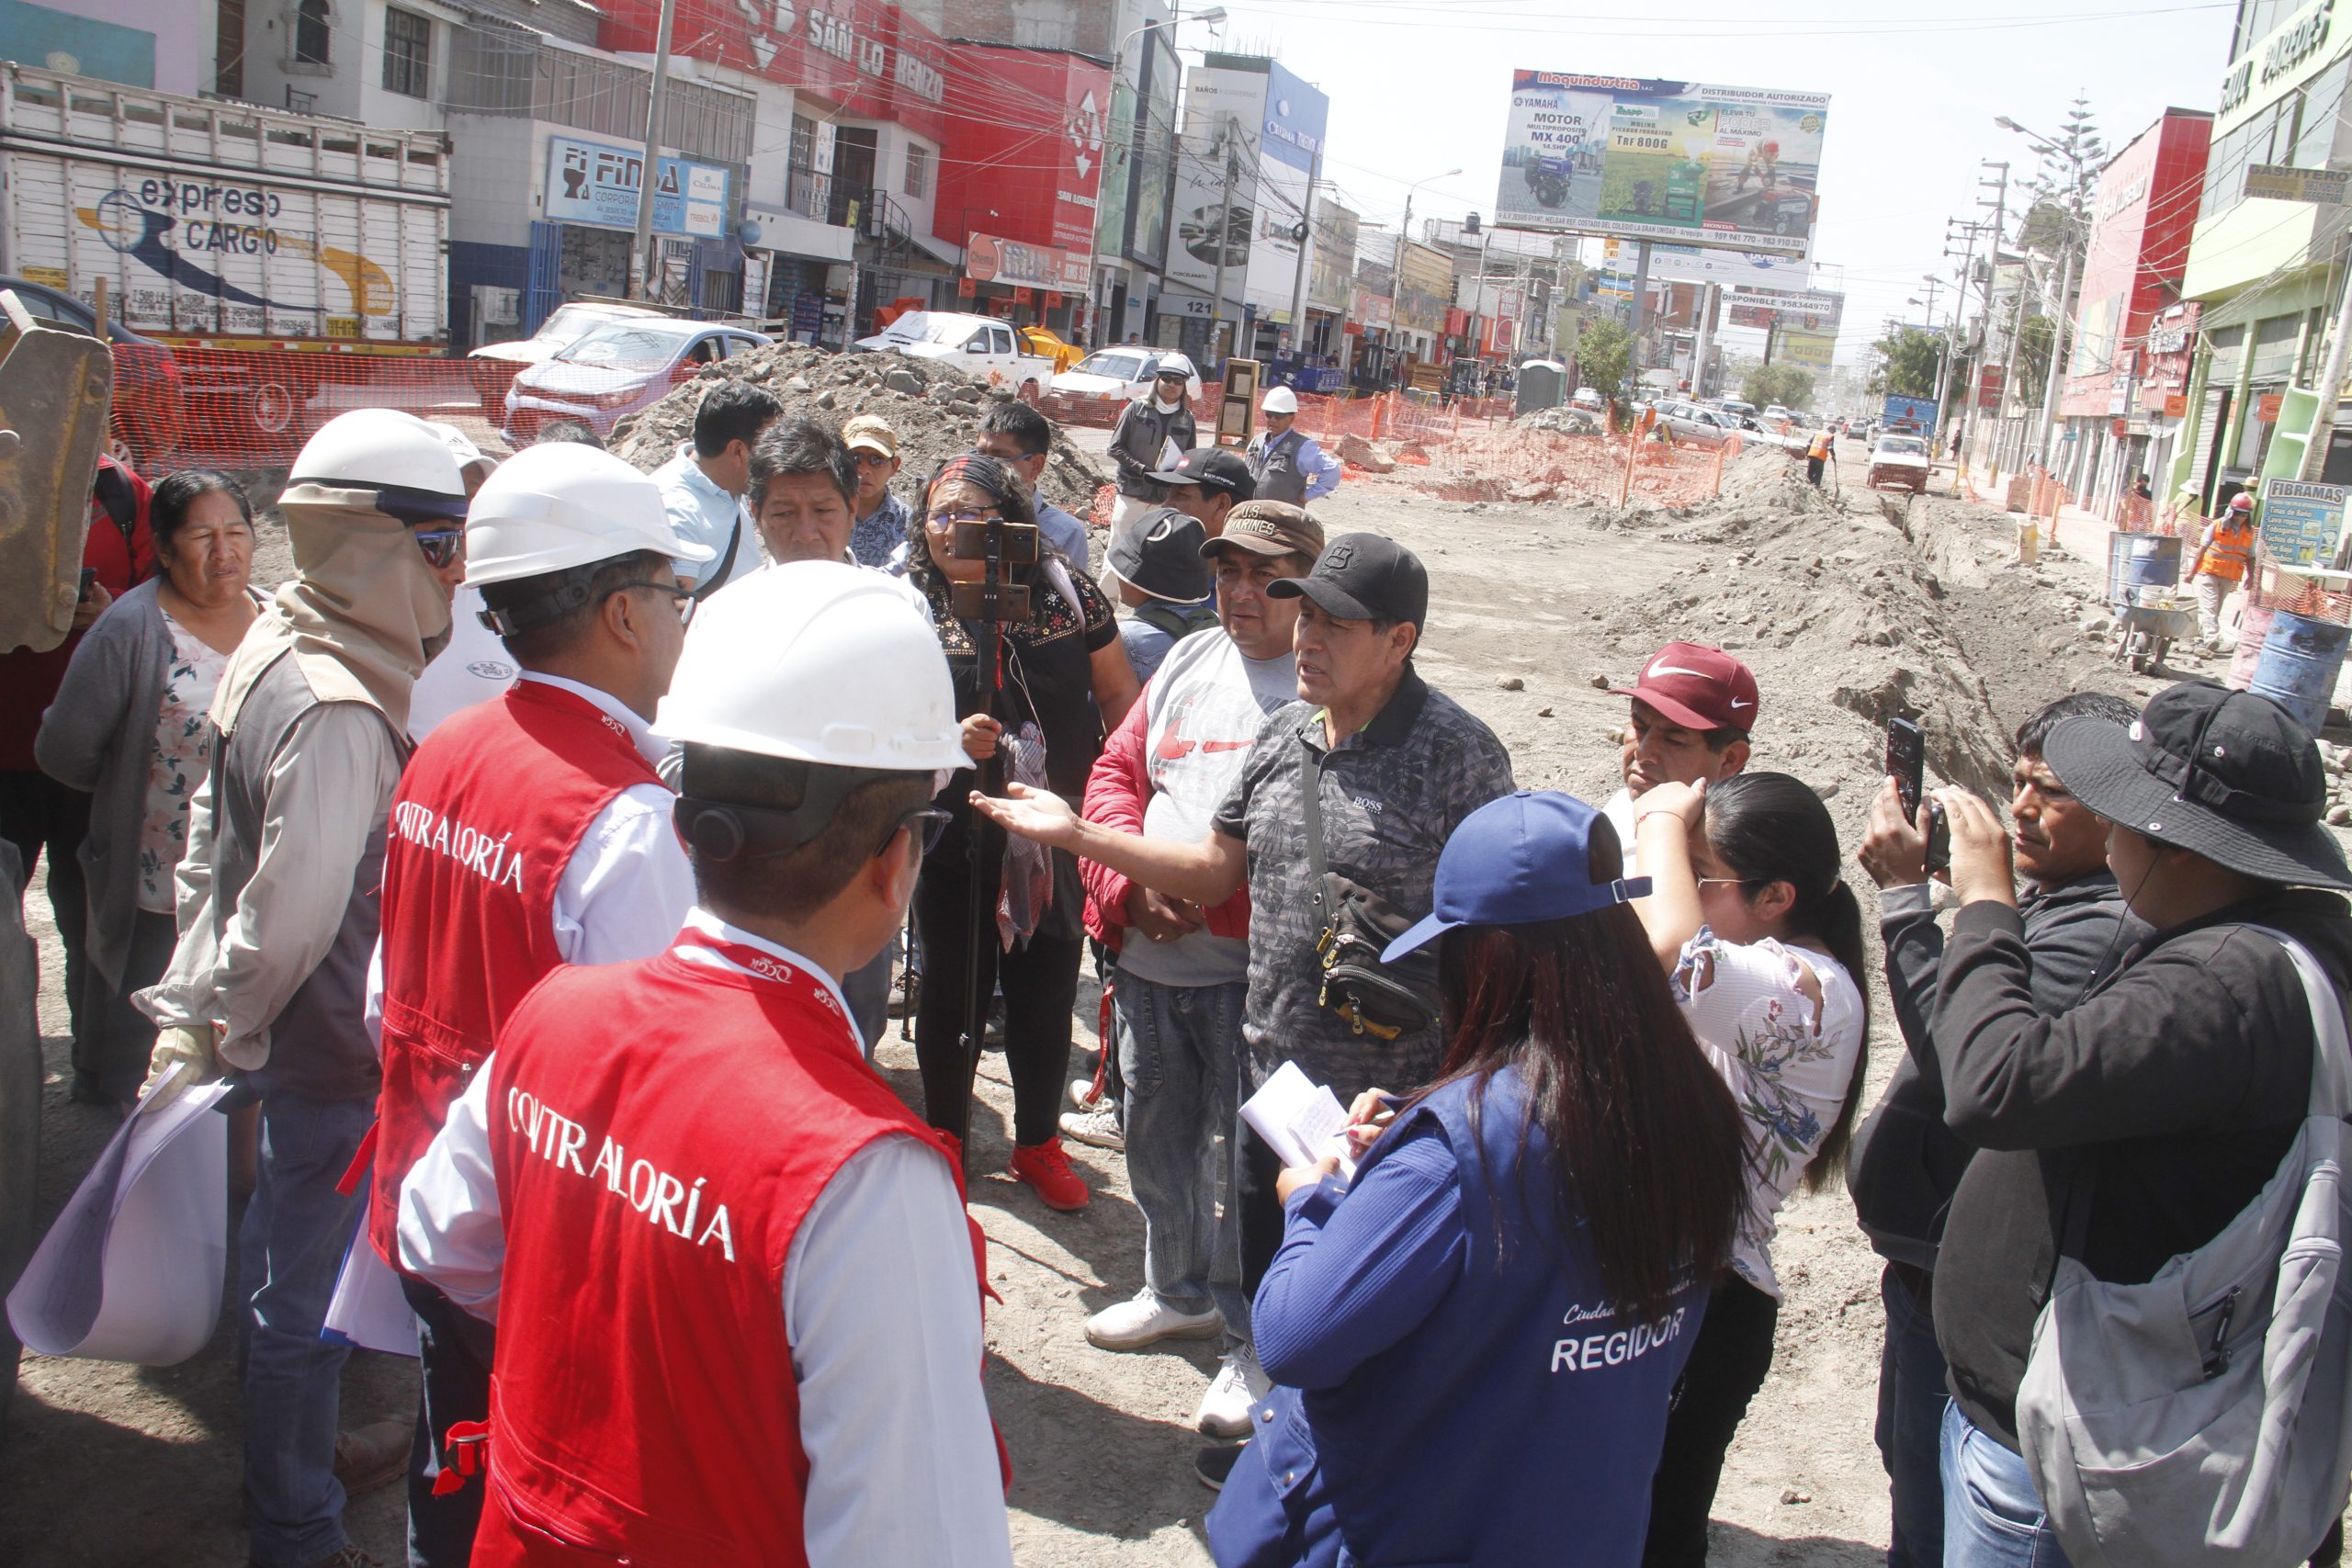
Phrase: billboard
{"type": "Point", "coordinates": [1330, 266]}
{"type": "Point", "coordinates": [1223, 108]}
{"type": "Point", "coordinates": [1424, 290]}
{"type": "Point", "coordinates": [1690, 264]}
{"type": "Point", "coordinates": [591, 183]}
{"type": "Point", "coordinates": [1684, 161]}
{"type": "Point", "coordinates": [1290, 143]}
{"type": "Point", "coordinates": [1792, 312]}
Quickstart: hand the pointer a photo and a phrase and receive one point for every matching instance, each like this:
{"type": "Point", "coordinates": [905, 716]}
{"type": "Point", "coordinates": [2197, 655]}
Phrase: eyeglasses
{"type": "Point", "coordinates": [928, 824]}
{"type": "Point", "coordinates": [440, 546]}
{"type": "Point", "coordinates": [873, 459]}
{"type": "Point", "coordinates": [685, 596]}
{"type": "Point", "coordinates": [949, 519]}
{"type": "Point", "coordinates": [1723, 881]}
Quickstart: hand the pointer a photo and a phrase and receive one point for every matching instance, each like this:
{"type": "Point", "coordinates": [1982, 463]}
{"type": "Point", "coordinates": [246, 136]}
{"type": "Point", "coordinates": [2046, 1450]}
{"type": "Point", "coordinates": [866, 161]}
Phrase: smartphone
{"type": "Point", "coordinates": [89, 580]}
{"type": "Point", "coordinates": [1907, 763]}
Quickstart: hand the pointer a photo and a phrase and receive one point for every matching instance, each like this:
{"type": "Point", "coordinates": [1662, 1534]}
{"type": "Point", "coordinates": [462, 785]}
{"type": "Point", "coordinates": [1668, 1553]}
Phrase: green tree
{"type": "Point", "coordinates": [2033, 359]}
{"type": "Point", "coordinates": [1787, 385]}
{"type": "Point", "coordinates": [1604, 350]}
{"type": "Point", "coordinates": [1909, 363]}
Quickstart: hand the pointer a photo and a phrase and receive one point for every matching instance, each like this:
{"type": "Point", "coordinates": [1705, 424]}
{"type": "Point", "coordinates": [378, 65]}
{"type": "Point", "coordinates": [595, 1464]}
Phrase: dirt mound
{"type": "Point", "coordinates": [934, 410]}
{"type": "Point", "coordinates": [1563, 420]}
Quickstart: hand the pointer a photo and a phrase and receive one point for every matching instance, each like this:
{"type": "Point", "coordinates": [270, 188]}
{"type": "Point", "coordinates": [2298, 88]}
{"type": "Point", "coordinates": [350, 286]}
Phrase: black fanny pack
{"type": "Point", "coordinates": [1376, 999]}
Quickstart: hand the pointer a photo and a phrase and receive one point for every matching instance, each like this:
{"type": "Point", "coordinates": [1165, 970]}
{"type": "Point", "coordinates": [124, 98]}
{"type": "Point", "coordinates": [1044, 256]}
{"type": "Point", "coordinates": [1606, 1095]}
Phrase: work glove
{"type": "Point", "coordinates": [190, 1051]}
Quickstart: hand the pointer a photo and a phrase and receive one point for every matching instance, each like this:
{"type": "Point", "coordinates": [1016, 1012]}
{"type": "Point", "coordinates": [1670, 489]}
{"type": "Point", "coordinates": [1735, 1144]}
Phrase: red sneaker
{"type": "Point", "coordinates": [1046, 1169]}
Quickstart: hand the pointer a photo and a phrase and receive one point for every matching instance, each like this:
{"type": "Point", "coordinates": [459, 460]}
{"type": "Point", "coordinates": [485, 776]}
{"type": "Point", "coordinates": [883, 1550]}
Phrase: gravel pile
{"type": "Point", "coordinates": [1564, 421]}
{"type": "Point", "coordinates": [934, 410]}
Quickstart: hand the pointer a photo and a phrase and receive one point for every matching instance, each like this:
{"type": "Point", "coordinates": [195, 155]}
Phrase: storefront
{"type": "Point", "coordinates": [1026, 284]}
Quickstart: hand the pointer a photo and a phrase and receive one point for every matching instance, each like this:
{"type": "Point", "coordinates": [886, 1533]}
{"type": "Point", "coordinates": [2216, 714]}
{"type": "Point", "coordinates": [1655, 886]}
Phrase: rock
{"type": "Point", "coordinates": [1365, 455]}
{"type": "Point", "coordinates": [1828, 791]}
{"type": "Point", "coordinates": [826, 399]}
{"type": "Point", "coordinates": [905, 381]}
{"type": "Point", "coordinates": [1543, 713]}
{"type": "Point", "coordinates": [1511, 683]}
{"type": "Point", "coordinates": [1598, 682]}
{"type": "Point", "coordinates": [799, 384]}
{"type": "Point", "coordinates": [2096, 623]}
{"type": "Point", "coordinates": [1534, 490]}
{"type": "Point", "coordinates": [1791, 1494]}
{"type": "Point", "coordinates": [2339, 816]}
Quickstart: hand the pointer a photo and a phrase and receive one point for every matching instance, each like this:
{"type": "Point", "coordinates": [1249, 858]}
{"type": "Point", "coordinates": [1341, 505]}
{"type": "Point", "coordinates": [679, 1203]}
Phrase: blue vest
{"type": "Point", "coordinates": [1519, 1424]}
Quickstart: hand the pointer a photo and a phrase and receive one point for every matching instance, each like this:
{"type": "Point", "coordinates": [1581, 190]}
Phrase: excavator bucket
{"type": "Point", "coordinates": [54, 390]}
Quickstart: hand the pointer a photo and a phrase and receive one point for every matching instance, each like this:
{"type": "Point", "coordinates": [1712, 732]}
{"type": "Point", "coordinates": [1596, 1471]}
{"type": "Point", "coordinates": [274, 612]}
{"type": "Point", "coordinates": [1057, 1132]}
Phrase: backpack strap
{"type": "Point", "coordinates": [2331, 1050]}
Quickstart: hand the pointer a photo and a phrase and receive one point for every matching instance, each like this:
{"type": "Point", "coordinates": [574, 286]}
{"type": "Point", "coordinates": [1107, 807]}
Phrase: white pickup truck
{"type": "Point", "coordinates": [981, 346]}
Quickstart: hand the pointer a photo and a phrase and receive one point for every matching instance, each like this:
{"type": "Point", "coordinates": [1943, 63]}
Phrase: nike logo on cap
{"type": "Point", "coordinates": [1737, 703]}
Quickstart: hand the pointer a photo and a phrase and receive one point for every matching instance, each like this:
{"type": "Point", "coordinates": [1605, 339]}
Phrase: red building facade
{"type": "Point", "coordinates": [2143, 213]}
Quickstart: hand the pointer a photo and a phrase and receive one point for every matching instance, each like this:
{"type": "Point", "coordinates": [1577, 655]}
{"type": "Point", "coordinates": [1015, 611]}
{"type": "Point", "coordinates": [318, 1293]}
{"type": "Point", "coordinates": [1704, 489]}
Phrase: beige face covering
{"type": "Point", "coordinates": [364, 613]}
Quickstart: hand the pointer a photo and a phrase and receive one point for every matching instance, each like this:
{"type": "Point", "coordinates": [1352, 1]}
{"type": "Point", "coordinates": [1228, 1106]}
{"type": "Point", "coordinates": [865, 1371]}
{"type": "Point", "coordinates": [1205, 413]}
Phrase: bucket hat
{"type": "Point", "coordinates": [2228, 775]}
{"type": "Point", "coordinates": [1514, 861]}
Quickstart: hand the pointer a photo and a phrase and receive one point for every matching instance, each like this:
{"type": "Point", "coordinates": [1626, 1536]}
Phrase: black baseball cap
{"type": "Point", "coordinates": [1364, 577]}
{"type": "Point", "coordinates": [1215, 468]}
{"type": "Point", "coordinates": [1162, 555]}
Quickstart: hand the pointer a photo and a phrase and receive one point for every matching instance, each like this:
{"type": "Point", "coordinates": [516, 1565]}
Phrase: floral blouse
{"type": "Point", "coordinates": [1788, 1063]}
{"type": "Point", "coordinates": [177, 760]}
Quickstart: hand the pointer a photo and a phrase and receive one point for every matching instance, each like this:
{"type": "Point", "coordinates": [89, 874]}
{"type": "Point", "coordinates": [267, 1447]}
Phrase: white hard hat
{"type": "Point", "coordinates": [1175, 364]}
{"type": "Point", "coordinates": [816, 661]}
{"type": "Point", "coordinates": [461, 446]}
{"type": "Point", "coordinates": [1281, 400]}
{"type": "Point", "coordinates": [379, 449]}
{"type": "Point", "coordinates": [563, 505]}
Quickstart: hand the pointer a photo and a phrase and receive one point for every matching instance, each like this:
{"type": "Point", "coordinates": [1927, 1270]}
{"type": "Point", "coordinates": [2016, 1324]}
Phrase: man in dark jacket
{"type": "Point", "coordinates": [1905, 1163]}
{"type": "Point", "coordinates": [1141, 438]}
{"type": "Point", "coordinates": [2147, 1116]}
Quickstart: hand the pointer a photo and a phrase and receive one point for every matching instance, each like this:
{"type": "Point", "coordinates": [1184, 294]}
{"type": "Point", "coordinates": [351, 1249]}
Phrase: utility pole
{"type": "Point", "coordinates": [641, 252]}
{"type": "Point", "coordinates": [1298, 281]}
{"type": "Point", "coordinates": [1224, 239]}
{"type": "Point", "coordinates": [2331, 387]}
{"type": "Point", "coordinates": [2000, 205]}
{"type": "Point", "coordinates": [1641, 314]}
{"type": "Point", "coordinates": [1706, 340]}
{"type": "Point", "coordinates": [2059, 322]}
{"type": "Point", "coordinates": [1952, 343]}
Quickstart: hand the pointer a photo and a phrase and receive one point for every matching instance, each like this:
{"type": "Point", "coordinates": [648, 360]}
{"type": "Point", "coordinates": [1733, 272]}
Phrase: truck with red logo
{"type": "Point", "coordinates": [279, 257]}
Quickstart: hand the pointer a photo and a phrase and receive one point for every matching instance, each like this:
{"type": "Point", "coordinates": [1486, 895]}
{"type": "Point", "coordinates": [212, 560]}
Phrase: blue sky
{"type": "Point", "coordinates": [1420, 86]}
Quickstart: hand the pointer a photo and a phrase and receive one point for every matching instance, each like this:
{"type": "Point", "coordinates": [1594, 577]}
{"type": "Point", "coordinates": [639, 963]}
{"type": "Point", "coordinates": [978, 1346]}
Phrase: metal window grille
{"type": "Point", "coordinates": [312, 32]}
{"type": "Point", "coordinates": [408, 52]}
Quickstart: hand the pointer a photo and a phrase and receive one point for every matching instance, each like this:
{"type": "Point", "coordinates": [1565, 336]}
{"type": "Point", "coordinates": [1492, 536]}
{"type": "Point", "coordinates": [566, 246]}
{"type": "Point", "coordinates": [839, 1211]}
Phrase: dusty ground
{"type": "Point", "coordinates": [1844, 614]}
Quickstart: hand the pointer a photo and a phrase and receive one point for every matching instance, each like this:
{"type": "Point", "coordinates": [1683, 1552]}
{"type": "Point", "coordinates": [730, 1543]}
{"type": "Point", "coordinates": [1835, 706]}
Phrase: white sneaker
{"type": "Point", "coordinates": [1100, 1128]}
{"type": "Point", "coordinates": [1131, 1326]}
{"type": "Point", "coordinates": [1083, 1094]}
{"type": "Point", "coordinates": [1240, 1383]}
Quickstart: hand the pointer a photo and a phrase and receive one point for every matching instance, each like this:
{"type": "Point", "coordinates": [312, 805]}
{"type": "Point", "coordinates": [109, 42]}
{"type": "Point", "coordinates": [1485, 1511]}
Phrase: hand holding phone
{"type": "Point", "coordinates": [1906, 764]}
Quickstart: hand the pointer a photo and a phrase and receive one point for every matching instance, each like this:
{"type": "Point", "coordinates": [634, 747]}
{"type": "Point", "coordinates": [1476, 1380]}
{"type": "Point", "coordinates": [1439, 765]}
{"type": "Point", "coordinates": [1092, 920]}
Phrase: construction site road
{"type": "Point", "coordinates": [1849, 608]}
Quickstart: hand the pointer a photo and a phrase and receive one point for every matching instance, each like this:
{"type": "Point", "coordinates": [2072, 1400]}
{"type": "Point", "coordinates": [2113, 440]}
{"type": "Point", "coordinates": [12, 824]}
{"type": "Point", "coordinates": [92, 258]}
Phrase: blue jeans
{"type": "Point", "coordinates": [1992, 1517]}
{"type": "Point", "coordinates": [289, 1249]}
{"type": "Point", "coordinates": [1180, 1054]}
{"type": "Point", "coordinates": [1911, 1401]}
{"type": "Point", "coordinates": [867, 991]}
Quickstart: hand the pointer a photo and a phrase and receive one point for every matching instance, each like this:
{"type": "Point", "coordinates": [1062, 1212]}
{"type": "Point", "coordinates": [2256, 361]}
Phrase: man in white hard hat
{"type": "Point", "coordinates": [1153, 431]}
{"type": "Point", "coordinates": [529, 831]}
{"type": "Point", "coordinates": [740, 1293]}
{"type": "Point", "coordinates": [1286, 465]}
{"type": "Point", "coordinates": [277, 916]}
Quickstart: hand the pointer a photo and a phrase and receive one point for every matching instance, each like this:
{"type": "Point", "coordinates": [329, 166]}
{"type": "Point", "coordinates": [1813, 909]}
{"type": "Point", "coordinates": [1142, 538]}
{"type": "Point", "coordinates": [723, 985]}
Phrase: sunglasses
{"type": "Point", "coordinates": [873, 459]}
{"type": "Point", "coordinates": [684, 597]}
{"type": "Point", "coordinates": [440, 546]}
{"type": "Point", "coordinates": [928, 824]}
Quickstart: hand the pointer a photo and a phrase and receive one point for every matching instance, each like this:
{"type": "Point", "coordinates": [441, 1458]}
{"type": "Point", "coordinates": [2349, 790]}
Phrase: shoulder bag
{"type": "Point", "coordinates": [1358, 925]}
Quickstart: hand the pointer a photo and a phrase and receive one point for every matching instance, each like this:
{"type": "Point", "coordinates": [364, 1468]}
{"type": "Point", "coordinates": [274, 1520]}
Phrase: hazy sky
{"type": "Point", "coordinates": [1420, 86]}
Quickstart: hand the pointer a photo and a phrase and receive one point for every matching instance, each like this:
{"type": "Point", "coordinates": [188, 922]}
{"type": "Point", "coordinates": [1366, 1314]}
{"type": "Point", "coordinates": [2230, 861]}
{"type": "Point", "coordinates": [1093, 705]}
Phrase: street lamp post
{"type": "Point", "coordinates": [2063, 312]}
{"type": "Point", "coordinates": [1214, 17]}
{"type": "Point", "coordinates": [1405, 235]}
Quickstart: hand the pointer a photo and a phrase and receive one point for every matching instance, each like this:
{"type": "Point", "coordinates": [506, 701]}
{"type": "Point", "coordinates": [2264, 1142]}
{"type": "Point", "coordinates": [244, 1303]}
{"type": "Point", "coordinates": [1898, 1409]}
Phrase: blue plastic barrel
{"type": "Point", "coordinates": [2300, 657]}
{"type": "Point", "coordinates": [2141, 560]}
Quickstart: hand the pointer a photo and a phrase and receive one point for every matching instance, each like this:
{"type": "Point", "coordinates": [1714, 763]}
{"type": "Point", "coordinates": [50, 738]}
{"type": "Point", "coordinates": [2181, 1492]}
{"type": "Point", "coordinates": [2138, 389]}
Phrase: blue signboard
{"type": "Point", "coordinates": [1910, 415]}
{"type": "Point", "coordinates": [589, 181]}
{"type": "Point", "coordinates": [2299, 522]}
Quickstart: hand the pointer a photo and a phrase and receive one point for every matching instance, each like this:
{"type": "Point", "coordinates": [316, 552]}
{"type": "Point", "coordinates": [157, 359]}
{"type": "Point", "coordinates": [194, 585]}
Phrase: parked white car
{"type": "Point", "coordinates": [1900, 462]}
{"type": "Point", "coordinates": [566, 326]}
{"type": "Point", "coordinates": [1093, 390]}
{"type": "Point", "coordinates": [981, 346]}
{"type": "Point", "coordinates": [618, 369]}
{"type": "Point", "coordinates": [1587, 399]}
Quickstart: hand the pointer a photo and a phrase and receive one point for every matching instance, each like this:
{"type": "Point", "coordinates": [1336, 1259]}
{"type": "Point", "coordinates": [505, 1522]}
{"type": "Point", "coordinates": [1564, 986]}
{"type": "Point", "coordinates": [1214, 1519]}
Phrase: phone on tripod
{"type": "Point", "coordinates": [992, 599]}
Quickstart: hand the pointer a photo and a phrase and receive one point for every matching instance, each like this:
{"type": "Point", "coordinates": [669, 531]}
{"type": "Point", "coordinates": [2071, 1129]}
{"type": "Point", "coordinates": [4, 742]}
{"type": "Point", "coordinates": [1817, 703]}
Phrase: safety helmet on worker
{"type": "Point", "coordinates": [1281, 399]}
{"type": "Point", "coordinates": [816, 661]}
{"type": "Point", "coordinates": [1175, 364]}
{"type": "Point", "coordinates": [2242, 501]}
{"type": "Point", "coordinates": [397, 454]}
{"type": "Point", "coordinates": [552, 508]}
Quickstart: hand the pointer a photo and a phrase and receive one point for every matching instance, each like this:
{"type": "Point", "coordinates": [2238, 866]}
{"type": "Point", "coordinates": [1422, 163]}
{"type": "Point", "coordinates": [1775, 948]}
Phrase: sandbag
{"type": "Point", "coordinates": [131, 1270]}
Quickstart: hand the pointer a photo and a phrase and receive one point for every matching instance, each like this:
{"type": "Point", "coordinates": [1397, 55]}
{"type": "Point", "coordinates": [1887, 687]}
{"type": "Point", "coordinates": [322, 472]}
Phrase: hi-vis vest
{"type": "Point", "coordinates": [486, 817]}
{"type": "Point", "coordinates": [660, 1130]}
{"type": "Point", "coordinates": [1819, 449]}
{"type": "Point", "coordinates": [2231, 552]}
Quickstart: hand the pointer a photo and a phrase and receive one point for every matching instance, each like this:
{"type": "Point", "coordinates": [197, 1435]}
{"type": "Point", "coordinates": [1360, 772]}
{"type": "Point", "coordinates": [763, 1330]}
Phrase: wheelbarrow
{"type": "Point", "coordinates": [2148, 621]}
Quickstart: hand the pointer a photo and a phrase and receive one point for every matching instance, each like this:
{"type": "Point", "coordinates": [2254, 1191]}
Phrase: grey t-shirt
{"type": "Point", "coordinates": [1391, 794]}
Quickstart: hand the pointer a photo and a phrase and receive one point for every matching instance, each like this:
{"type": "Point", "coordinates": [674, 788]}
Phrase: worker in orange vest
{"type": "Point", "coordinates": [1820, 452]}
{"type": "Point", "coordinates": [2224, 553]}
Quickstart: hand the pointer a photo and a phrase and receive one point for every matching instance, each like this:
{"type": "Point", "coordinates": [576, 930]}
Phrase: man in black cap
{"type": "Point", "coordinates": [2147, 1116]}
{"type": "Point", "coordinates": [1163, 584]}
{"type": "Point", "coordinates": [1398, 767]}
{"type": "Point", "coordinates": [1208, 484]}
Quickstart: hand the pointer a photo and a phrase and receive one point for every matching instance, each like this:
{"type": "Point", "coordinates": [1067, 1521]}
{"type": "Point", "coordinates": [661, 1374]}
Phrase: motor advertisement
{"type": "Point", "coordinates": [1290, 139]}
{"type": "Point", "coordinates": [1689, 264]}
{"type": "Point", "coordinates": [1222, 111]}
{"type": "Point", "coordinates": [1685, 162]}
{"type": "Point", "coordinates": [2300, 521]}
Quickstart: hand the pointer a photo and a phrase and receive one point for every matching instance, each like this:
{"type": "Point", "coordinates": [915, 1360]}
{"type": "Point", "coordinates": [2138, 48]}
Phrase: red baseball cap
{"type": "Point", "coordinates": [1696, 686]}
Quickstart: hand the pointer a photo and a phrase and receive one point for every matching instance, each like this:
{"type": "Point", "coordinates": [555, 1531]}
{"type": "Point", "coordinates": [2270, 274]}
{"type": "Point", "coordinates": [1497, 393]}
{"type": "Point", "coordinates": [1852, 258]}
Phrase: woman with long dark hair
{"type": "Point", "coordinates": [1750, 917]}
{"type": "Point", "coordinates": [1473, 1340]}
{"type": "Point", "coordinates": [1063, 653]}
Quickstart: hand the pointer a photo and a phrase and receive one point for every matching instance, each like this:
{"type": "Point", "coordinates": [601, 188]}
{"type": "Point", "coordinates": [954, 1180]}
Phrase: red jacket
{"type": "Point", "coordinates": [1116, 793]}
{"type": "Point", "coordinates": [660, 1131]}
{"type": "Point", "coordinates": [487, 816]}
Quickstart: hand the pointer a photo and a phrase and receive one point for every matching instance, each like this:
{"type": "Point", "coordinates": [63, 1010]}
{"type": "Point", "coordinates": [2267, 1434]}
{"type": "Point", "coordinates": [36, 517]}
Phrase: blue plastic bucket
{"type": "Point", "coordinates": [2300, 657]}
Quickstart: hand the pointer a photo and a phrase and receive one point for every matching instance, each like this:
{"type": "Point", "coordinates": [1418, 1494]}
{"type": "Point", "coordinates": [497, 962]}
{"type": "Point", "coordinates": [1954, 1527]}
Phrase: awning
{"type": "Point", "coordinates": [950, 256]}
{"type": "Point", "coordinates": [789, 234]}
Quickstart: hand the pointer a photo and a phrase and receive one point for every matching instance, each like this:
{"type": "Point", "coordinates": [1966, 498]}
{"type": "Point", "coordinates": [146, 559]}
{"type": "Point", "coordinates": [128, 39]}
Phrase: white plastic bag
{"type": "Point", "coordinates": [131, 1270]}
{"type": "Point", "coordinates": [370, 1309]}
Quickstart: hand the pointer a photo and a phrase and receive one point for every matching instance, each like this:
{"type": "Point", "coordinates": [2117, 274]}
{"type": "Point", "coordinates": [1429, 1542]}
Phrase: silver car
{"type": "Point", "coordinates": [1693, 421]}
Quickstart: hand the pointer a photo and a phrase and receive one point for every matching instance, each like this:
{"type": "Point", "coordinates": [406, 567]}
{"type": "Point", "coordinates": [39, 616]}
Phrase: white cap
{"type": "Point", "coordinates": [816, 661]}
{"type": "Point", "coordinates": [1281, 400]}
{"type": "Point", "coordinates": [1175, 364]}
{"type": "Point", "coordinates": [378, 449]}
{"type": "Point", "coordinates": [563, 505]}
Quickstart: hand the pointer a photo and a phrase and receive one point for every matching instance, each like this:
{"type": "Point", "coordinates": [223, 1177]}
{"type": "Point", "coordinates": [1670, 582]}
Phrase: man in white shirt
{"type": "Point", "coordinates": [774, 1356]}
{"type": "Point", "coordinates": [528, 832]}
{"type": "Point", "coordinates": [1020, 438]}
{"type": "Point", "coordinates": [1693, 709]}
{"type": "Point", "coordinates": [703, 486]}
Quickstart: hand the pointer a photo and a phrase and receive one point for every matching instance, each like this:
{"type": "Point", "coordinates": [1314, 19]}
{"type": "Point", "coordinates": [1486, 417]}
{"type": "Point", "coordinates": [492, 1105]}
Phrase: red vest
{"type": "Point", "coordinates": [486, 817]}
{"type": "Point", "coordinates": [658, 1130]}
